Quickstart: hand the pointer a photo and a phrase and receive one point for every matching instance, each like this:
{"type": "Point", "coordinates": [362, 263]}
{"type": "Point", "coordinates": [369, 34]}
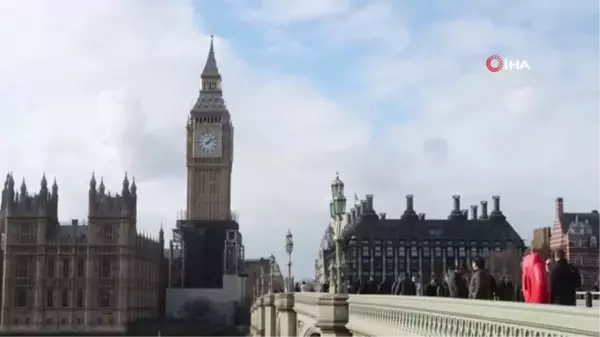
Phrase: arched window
{"type": "Point", "coordinates": [593, 242]}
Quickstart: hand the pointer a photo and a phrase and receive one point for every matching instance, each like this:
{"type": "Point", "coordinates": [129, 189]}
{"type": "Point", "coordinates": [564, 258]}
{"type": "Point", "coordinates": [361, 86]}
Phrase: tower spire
{"type": "Point", "coordinates": [211, 96]}
{"type": "Point", "coordinates": [210, 68]}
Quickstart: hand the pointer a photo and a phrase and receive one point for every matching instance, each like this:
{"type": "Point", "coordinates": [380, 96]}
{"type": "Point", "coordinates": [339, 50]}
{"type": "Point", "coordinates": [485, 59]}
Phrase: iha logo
{"type": "Point", "coordinates": [495, 63]}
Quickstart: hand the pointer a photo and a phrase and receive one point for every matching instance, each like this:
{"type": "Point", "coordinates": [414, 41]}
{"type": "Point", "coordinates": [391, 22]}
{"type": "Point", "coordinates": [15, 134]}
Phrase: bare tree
{"type": "Point", "coordinates": [505, 263]}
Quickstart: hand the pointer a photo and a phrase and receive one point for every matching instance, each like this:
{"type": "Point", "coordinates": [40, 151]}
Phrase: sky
{"type": "Point", "coordinates": [393, 95]}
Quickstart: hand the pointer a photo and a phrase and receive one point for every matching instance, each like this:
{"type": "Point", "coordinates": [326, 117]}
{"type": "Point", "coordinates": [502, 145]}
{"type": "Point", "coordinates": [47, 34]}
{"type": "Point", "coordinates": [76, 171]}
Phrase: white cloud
{"type": "Point", "coordinates": [107, 87]}
{"type": "Point", "coordinates": [529, 136]}
{"type": "Point", "coordinates": [290, 11]}
{"type": "Point", "coordinates": [376, 23]}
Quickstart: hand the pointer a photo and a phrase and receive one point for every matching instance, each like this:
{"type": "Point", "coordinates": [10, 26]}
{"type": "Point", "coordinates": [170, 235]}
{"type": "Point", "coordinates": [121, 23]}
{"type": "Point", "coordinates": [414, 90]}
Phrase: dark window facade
{"type": "Point", "coordinates": [64, 298]}
{"type": "Point", "coordinates": [79, 298]}
{"type": "Point", "coordinates": [80, 267]}
{"type": "Point", "coordinates": [21, 297]}
{"type": "Point", "coordinates": [49, 298]}
{"type": "Point", "coordinates": [23, 267]}
{"type": "Point", "coordinates": [104, 298]}
{"type": "Point", "coordinates": [50, 266]}
{"type": "Point", "coordinates": [65, 267]}
{"type": "Point", "coordinates": [105, 266]}
{"type": "Point", "coordinates": [423, 247]}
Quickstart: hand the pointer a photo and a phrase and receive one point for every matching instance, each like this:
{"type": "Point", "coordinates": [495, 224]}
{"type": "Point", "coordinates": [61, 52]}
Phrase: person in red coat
{"type": "Point", "coordinates": [534, 279]}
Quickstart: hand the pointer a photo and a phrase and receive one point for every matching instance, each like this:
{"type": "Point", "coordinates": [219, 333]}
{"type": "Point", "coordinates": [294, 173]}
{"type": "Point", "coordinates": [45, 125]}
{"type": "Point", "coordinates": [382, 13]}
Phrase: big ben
{"type": "Point", "coordinates": [209, 149]}
{"type": "Point", "coordinates": [209, 236]}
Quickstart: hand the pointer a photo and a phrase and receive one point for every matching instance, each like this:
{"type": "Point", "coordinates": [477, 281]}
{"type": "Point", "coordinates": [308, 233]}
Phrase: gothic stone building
{"type": "Point", "coordinates": [385, 248]}
{"type": "Point", "coordinates": [258, 276]}
{"type": "Point", "coordinates": [208, 236]}
{"type": "Point", "coordinates": [79, 278]}
{"type": "Point", "coordinates": [577, 234]}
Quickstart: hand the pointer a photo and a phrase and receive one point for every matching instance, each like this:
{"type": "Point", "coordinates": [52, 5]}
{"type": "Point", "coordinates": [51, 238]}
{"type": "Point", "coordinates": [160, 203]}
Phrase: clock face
{"type": "Point", "coordinates": [206, 142]}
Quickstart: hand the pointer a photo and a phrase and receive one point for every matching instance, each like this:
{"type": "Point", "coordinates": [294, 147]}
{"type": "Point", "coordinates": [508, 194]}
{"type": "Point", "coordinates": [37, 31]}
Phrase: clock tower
{"type": "Point", "coordinates": [209, 236]}
{"type": "Point", "coordinates": [209, 149]}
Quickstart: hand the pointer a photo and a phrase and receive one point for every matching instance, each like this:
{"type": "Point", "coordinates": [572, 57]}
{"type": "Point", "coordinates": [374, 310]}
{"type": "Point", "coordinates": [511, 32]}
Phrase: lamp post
{"type": "Point", "coordinates": [271, 271]}
{"type": "Point", "coordinates": [337, 209]}
{"type": "Point", "coordinates": [289, 248]}
{"type": "Point", "coordinates": [262, 279]}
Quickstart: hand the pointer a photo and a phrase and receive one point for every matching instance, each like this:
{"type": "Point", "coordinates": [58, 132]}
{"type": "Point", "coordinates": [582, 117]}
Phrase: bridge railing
{"type": "Point", "coordinates": [442, 316]}
{"type": "Point", "coordinates": [318, 314]}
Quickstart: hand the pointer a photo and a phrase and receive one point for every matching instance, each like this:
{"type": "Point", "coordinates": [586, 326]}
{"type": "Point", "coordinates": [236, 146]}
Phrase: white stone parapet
{"type": "Point", "coordinates": [318, 314]}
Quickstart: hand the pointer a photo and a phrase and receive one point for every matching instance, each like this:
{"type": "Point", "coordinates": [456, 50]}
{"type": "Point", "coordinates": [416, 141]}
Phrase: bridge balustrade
{"type": "Point", "coordinates": [320, 314]}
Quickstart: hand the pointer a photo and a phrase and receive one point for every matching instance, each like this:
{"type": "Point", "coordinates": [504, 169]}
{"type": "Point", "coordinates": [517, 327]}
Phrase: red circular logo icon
{"type": "Point", "coordinates": [494, 63]}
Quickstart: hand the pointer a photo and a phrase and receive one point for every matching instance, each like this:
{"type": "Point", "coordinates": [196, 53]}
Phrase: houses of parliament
{"type": "Point", "coordinates": [92, 277]}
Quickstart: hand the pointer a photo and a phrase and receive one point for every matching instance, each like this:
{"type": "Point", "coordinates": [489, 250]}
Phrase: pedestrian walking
{"type": "Point", "coordinates": [479, 286]}
{"type": "Point", "coordinates": [534, 279]}
{"type": "Point", "coordinates": [564, 279]}
{"type": "Point", "coordinates": [457, 284]}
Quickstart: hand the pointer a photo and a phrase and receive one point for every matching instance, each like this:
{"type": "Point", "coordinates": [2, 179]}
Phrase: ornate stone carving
{"type": "Point", "coordinates": [299, 327]}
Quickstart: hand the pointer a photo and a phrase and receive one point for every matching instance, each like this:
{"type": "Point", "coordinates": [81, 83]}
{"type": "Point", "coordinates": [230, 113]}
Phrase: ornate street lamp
{"type": "Point", "coordinates": [262, 278]}
{"type": "Point", "coordinates": [271, 271]}
{"type": "Point", "coordinates": [289, 248]}
{"type": "Point", "coordinates": [257, 289]}
{"type": "Point", "coordinates": [337, 209]}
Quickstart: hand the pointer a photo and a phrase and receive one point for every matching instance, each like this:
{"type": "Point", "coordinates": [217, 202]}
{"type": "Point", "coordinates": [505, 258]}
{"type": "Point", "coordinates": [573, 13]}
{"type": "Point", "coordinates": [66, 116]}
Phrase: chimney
{"type": "Point", "coordinates": [595, 211]}
{"type": "Point", "coordinates": [409, 203]}
{"type": "Point", "coordinates": [465, 213]}
{"type": "Point", "coordinates": [456, 203]}
{"type": "Point", "coordinates": [359, 210]}
{"type": "Point", "coordinates": [364, 207]}
{"type": "Point", "coordinates": [496, 203]}
{"type": "Point", "coordinates": [74, 224]}
{"type": "Point", "coordinates": [484, 212]}
{"type": "Point", "coordinates": [353, 213]}
{"type": "Point", "coordinates": [369, 203]}
{"type": "Point", "coordinates": [559, 207]}
{"type": "Point", "coordinates": [473, 212]}
{"type": "Point", "coordinates": [382, 216]}
{"type": "Point", "coordinates": [421, 216]}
